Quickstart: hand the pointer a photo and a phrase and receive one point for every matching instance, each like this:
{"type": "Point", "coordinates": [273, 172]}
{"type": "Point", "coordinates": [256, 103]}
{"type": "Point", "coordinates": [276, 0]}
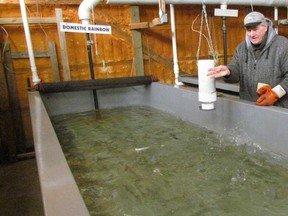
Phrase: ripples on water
{"type": "Point", "coordinates": [140, 161]}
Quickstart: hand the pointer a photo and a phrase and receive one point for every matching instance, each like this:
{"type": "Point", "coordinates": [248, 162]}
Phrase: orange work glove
{"type": "Point", "coordinates": [267, 99]}
{"type": "Point", "coordinates": [264, 89]}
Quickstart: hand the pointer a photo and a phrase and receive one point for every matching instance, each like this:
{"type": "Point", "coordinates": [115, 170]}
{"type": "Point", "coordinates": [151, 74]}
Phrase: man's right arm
{"type": "Point", "coordinates": [219, 71]}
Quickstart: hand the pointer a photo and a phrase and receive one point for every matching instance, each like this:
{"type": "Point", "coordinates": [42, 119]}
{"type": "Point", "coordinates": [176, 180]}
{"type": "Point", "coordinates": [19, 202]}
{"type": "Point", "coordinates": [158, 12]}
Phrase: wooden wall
{"type": "Point", "coordinates": [115, 57]}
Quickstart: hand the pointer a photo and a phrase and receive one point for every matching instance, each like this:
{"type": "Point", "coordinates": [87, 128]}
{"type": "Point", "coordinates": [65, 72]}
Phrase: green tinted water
{"type": "Point", "coordinates": [140, 161]}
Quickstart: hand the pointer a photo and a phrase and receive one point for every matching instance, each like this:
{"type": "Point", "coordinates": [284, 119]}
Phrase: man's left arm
{"type": "Point", "coordinates": [268, 95]}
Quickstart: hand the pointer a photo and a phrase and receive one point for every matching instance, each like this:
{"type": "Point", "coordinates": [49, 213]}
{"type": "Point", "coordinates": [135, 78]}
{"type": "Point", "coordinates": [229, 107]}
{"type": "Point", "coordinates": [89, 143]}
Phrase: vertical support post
{"type": "Point", "coordinates": [224, 39]}
{"type": "Point", "coordinates": [16, 124]}
{"type": "Point", "coordinates": [276, 18]}
{"type": "Point", "coordinates": [7, 133]}
{"type": "Point", "coordinates": [54, 61]}
{"type": "Point", "coordinates": [63, 46]}
{"type": "Point", "coordinates": [137, 42]}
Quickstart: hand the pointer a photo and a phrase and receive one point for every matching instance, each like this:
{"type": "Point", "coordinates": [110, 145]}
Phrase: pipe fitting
{"type": "Point", "coordinates": [223, 6]}
{"type": "Point", "coordinates": [85, 10]}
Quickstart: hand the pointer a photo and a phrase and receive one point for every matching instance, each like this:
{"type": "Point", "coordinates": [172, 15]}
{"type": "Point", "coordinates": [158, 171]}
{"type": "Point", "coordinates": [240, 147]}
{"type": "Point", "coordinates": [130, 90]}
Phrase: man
{"type": "Point", "coordinates": [260, 64]}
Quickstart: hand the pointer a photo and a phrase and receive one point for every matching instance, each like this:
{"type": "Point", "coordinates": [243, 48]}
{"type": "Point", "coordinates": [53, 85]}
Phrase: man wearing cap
{"type": "Point", "coordinates": [260, 64]}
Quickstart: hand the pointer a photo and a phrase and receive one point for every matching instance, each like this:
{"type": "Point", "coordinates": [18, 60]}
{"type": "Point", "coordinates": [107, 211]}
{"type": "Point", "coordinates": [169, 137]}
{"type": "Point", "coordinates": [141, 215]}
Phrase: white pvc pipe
{"type": "Point", "coordinates": [278, 3]}
{"type": "Point", "coordinates": [35, 78]}
{"type": "Point", "coordinates": [207, 85]}
{"type": "Point", "coordinates": [174, 47]}
{"type": "Point", "coordinates": [276, 17]}
{"type": "Point", "coordinates": [85, 10]}
{"type": "Point", "coordinates": [223, 6]}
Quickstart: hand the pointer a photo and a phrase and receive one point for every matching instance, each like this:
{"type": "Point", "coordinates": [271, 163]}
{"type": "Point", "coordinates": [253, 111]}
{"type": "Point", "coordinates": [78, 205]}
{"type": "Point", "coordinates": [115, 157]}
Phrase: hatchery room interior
{"type": "Point", "coordinates": [144, 108]}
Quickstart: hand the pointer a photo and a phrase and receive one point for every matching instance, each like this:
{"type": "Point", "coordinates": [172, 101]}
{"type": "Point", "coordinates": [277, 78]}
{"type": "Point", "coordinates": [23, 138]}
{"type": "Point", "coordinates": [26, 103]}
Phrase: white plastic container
{"type": "Point", "coordinates": [207, 87]}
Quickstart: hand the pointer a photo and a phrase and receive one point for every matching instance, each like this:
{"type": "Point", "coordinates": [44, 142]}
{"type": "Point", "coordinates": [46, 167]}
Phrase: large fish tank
{"type": "Point", "coordinates": [264, 127]}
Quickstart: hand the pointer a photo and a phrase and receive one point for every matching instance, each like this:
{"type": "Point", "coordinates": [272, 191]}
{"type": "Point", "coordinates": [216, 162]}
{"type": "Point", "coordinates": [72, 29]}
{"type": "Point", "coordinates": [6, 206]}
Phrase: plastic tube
{"type": "Point", "coordinates": [207, 87]}
{"type": "Point", "coordinates": [276, 17]}
{"type": "Point", "coordinates": [35, 78]}
{"type": "Point", "coordinates": [174, 46]}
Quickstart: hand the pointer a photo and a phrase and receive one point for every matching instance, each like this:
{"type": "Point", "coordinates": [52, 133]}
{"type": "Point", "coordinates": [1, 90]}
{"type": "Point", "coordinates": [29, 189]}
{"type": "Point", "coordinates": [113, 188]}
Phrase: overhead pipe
{"type": "Point", "coordinates": [35, 78]}
{"type": "Point", "coordinates": [269, 3]}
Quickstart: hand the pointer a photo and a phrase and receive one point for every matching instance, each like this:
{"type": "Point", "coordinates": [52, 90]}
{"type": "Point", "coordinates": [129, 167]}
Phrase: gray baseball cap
{"type": "Point", "coordinates": [254, 19]}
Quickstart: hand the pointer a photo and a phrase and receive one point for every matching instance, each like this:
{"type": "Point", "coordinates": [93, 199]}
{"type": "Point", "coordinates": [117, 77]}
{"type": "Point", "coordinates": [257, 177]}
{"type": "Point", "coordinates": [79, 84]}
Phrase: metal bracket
{"type": "Point", "coordinates": [90, 42]}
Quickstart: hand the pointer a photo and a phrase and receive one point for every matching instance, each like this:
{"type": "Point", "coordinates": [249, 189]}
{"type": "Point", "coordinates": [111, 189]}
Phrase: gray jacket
{"type": "Point", "coordinates": [271, 67]}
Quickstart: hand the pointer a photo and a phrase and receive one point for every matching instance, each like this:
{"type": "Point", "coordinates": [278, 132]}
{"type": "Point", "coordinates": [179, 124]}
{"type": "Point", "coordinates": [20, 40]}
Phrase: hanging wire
{"type": "Point", "coordinates": [4, 49]}
{"type": "Point", "coordinates": [37, 15]}
{"type": "Point", "coordinates": [200, 36]}
{"type": "Point", "coordinates": [96, 44]}
{"type": "Point", "coordinates": [210, 44]}
{"type": "Point", "coordinates": [208, 39]}
{"type": "Point", "coordinates": [214, 35]}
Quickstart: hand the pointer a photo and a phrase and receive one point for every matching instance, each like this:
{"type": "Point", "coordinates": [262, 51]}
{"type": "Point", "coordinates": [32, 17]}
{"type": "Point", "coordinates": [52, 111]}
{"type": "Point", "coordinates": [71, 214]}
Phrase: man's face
{"type": "Point", "coordinates": [256, 34]}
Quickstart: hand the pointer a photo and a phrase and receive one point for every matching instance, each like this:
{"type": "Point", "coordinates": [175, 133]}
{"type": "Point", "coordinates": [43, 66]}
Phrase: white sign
{"type": "Point", "coordinates": [225, 12]}
{"type": "Point", "coordinates": [75, 27]}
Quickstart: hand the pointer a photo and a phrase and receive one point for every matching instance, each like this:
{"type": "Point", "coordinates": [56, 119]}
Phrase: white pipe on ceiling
{"type": "Point", "coordinates": [275, 3]}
